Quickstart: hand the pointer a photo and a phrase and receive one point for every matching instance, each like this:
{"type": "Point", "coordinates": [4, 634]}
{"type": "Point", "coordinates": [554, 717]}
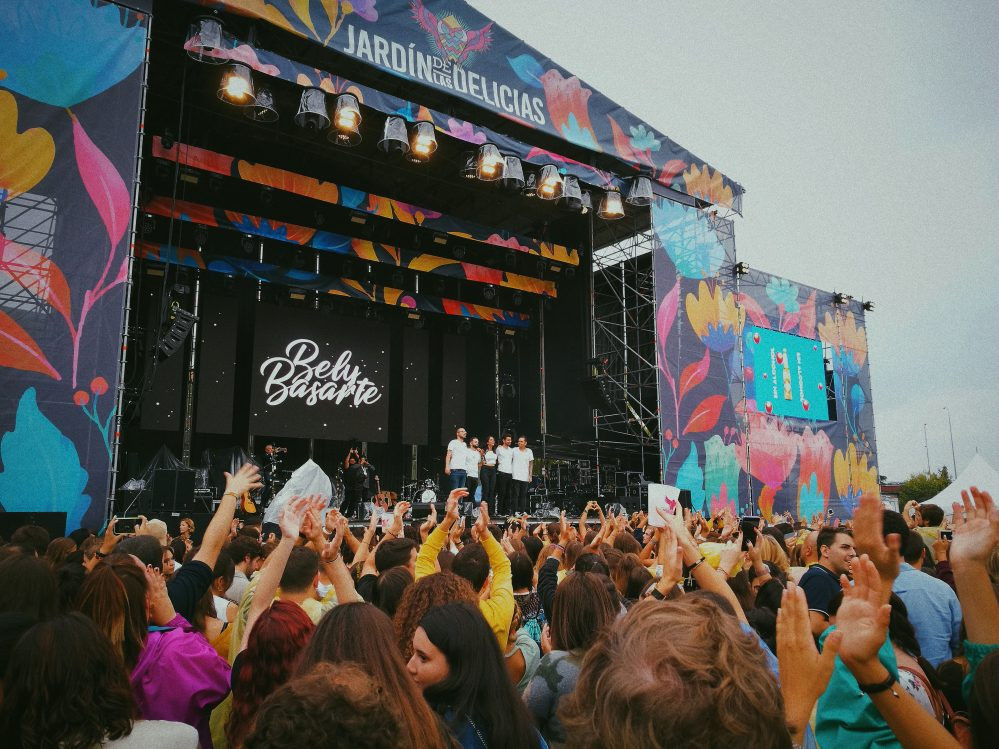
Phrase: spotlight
{"type": "Point", "coordinates": [839, 298]}
{"type": "Point", "coordinates": [530, 189]}
{"type": "Point", "coordinates": [513, 174]}
{"type": "Point", "coordinates": [489, 293]}
{"type": "Point", "coordinates": [167, 139]}
{"type": "Point", "coordinates": [549, 183]}
{"type": "Point", "coordinates": [246, 243]}
{"type": "Point", "coordinates": [587, 202]}
{"type": "Point", "coordinates": [458, 252]}
{"type": "Point", "coordinates": [262, 109]}
{"type": "Point", "coordinates": [571, 198]}
{"type": "Point", "coordinates": [266, 195]}
{"type": "Point", "coordinates": [640, 192]}
{"type": "Point", "coordinates": [394, 137]}
{"type": "Point", "coordinates": [465, 325]}
{"type": "Point", "coordinates": [200, 237]}
{"type": "Point", "coordinates": [204, 39]}
{"type": "Point", "coordinates": [611, 207]}
{"type": "Point", "coordinates": [869, 306]}
{"type": "Point", "coordinates": [518, 299]}
{"type": "Point", "coordinates": [312, 113]}
{"type": "Point", "coordinates": [469, 165]}
{"type": "Point", "coordinates": [236, 86]}
{"type": "Point", "coordinates": [422, 142]}
{"type": "Point", "coordinates": [741, 268]}
{"type": "Point", "coordinates": [148, 224]}
{"type": "Point", "coordinates": [347, 121]}
{"type": "Point", "coordinates": [490, 163]}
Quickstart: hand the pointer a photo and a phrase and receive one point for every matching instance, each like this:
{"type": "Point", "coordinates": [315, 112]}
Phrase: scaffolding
{"type": "Point", "coordinates": [623, 339]}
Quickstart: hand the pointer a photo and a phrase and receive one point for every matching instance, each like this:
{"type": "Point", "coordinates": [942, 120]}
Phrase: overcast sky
{"type": "Point", "coordinates": [867, 138]}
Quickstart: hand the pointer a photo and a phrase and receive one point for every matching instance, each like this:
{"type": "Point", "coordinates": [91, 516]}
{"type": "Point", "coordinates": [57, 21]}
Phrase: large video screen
{"type": "Point", "coordinates": [788, 373]}
{"type": "Point", "coordinates": [318, 375]}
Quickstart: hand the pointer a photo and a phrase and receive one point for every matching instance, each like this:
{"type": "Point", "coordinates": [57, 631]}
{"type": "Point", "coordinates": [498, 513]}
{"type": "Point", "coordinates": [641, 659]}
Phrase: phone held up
{"type": "Point", "coordinates": [747, 526]}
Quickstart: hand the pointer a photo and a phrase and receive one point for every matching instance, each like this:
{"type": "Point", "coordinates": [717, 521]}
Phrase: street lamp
{"type": "Point", "coordinates": [926, 443]}
{"type": "Point", "coordinates": [950, 425]}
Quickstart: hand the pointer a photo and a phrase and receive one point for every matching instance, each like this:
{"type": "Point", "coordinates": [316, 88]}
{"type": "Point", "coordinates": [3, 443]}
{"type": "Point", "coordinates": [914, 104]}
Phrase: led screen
{"type": "Point", "coordinates": [785, 374]}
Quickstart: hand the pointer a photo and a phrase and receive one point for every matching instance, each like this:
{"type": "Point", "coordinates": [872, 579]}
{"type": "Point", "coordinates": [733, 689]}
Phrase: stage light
{"type": "Point", "coordinates": [422, 142]}
{"type": "Point", "coordinates": [518, 299]}
{"type": "Point", "coordinates": [510, 257]}
{"type": "Point", "coordinates": [869, 306]}
{"type": "Point", "coordinates": [571, 198]}
{"type": "Point", "coordinates": [570, 271]}
{"type": "Point", "coordinates": [489, 166]}
{"type": "Point", "coordinates": [587, 203]}
{"type": "Point", "coordinates": [530, 189]}
{"type": "Point", "coordinates": [458, 252]}
{"type": "Point", "coordinates": [312, 114]}
{"type": "Point", "coordinates": [346, 121]}
{"type": "Point", "coordinates": [167, 139]}
{"type": "Point", "coordinates": [469, 165]}
{"type": "Point", "coordinates": [148, 224]}
{"type": "Point", "coordinates": [200, 237]}
{"type": "Point", "coordinates": [489, 293]}
{"type": "Point", "coordinates": [214, 182]}
{"type": "Point", "coordinates": [398, 278]}
{"type": "Point", "coordinates": [440, 238]}
{"type": "Point", "coordinates": [465, 325]}
{"type": "Point", "coordinates": [513, 174]}
{"type": "Point", "coordinates": [205, 37]}
{"type": "Point", "coordinates": [394, 140]}
{"type": "Point", "coordinates": [246, 243]}
{"type": "Point", "coordinates": [262, 109]}
{"type": "Point", "coordinates": [369, 312]}
{"type": "Point", "coordinates": [611, 207]}
{"type": "Point", "coordinates": [236, 86]}
{"type": "Point", "coordinates": [541, 265]}
{"type": "Point", "coordinates": [639, 192]}
{"type": "Point", "coordinates": [741, 268]}
{"type": "Point", "coordinates": [839, 298]}
{"type": "Point", "coordinates": [549, 183]}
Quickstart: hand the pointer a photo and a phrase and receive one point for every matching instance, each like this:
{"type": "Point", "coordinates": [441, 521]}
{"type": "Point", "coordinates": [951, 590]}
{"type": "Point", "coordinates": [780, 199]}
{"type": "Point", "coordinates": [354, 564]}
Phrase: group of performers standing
{"type": "Point", "coordinates": [504, 471]}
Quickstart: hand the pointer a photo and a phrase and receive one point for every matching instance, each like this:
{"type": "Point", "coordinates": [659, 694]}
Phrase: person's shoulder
{"type": "Point", "coordinates": [158, 734]}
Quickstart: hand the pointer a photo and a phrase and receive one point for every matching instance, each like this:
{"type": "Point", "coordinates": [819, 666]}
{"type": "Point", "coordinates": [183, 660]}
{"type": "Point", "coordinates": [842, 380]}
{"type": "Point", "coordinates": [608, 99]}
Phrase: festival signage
{"type": "Point", "coordinates": [319, 376]}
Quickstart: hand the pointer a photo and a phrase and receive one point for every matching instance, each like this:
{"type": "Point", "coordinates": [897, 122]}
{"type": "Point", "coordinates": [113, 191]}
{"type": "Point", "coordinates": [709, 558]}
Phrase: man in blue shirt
{"type": "Point", "coordinates": [821, 582]}
{"type": "Point", "coordinates": [934, 610]}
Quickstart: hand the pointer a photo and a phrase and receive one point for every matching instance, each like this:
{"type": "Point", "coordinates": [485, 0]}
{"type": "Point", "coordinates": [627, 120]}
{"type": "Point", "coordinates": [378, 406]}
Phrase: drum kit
{"type": "Point", "coordinates": [425, 492]}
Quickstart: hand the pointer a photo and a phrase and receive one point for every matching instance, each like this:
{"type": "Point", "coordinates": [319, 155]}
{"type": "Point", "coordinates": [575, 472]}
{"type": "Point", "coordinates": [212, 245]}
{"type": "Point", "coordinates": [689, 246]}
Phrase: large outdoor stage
{"type": "Point", "coordinates": [339, 225]}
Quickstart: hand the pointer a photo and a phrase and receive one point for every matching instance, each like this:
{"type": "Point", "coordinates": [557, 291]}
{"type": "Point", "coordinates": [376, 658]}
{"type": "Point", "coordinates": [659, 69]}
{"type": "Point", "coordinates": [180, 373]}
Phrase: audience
{"type": "Point", "coordinates": [624, 633]}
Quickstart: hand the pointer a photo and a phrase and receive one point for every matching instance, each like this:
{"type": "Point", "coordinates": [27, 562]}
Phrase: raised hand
{"type": "Point", "coordinates": [161, 610]}
{"type": "Point", "coordinates": [731, 555]}
{"type": "Point", "coordinates": [395, 527]}
{"type": "Point", "coordinates": [804, 673]}
{"type": "Point", "coordinates": [246, 479]}
{"type": "Point", "coordinates": [564, 536]}
{"type": "Point", "coordinates": [862, 617]}
{"type": "Point", "coordinates": [670, 556]}
{"type": "Point", "coordinates": [976, 528]}
{"type": "Point", "coordinates": [868, 535]}
{"type": "Point", "coordinates": [482, 524]}
{"type": "Point", "coordinates": [293, 516]}
{"type": "Point", "coordinates": [331, 549]}
{"type": "Point", "coordinates": [453, 503]}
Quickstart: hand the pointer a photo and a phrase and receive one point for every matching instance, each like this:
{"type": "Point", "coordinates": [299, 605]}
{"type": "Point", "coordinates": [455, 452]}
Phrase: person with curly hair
{"type": "Point", "coordinates": [66, 686]}
{"type": "Point", "coordinates": [360, 633]}
{"type": "Point", "coordinates": [331, 707]}
{"type": "Point", "coordinates": [420, 597]}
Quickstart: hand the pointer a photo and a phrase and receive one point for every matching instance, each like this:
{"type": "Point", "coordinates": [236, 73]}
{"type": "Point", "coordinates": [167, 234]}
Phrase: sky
{"type": "Point", "coordinates": [867, 138]}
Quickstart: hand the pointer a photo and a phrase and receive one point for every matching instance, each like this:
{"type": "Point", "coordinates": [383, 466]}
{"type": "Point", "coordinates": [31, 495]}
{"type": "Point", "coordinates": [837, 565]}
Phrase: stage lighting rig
{"type": "Point", "coordinates": [740, 268]}
{"type": "Point", "coordinates": [346, 121]}
{"type": "Point", "coordinates": [395, 140]}
{"type": "Point", "coordinates": [640, 192]}
{"type": "Point", "coordinates": [205, 38]}
{"type": "Point", "coordinates": [571, 198]}
{"type": "Point", "coordinates": [611, 207]}
{"type": "Point", "coordinates": [312, 114]}
{"type": "Point", "coordinates": [839, 298]}
{"type": "Point", "coordinates": [236, 86]}
{"type": "Point", "coordinates": [490, 164]}
{"type": "Point", "coordinates": [868, 306]}
{"type": "Point", "coordinates": [422, 142]}
{"type": "Point", "coordinates": [549, 183]}
{"type": "Point", "coordinates": [513, 174]}
{"type": "Point", "coordinates": [262, 108]}
{"type": "Point", "coordinates": [489, 292]}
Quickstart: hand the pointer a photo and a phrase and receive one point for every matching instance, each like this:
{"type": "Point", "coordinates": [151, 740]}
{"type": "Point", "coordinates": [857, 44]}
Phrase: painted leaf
{"type": "Point", "coordinates": [665, 317]}
{"type": "Point", "coordinates": [527, 69]}
{"type": "Point", "coordinates": [705, 415]}
{"type": "Point", "coordinates": [670, 170]}
{"type": "Point", "coordinates": [37, 275]}
{"type": "Point", "coordinates": [755, 311]}
{"type": "Point", "coordinates": [621, 143]}
{"type": "Point", "coordinates": [694, 374]}
{"type": "Point", "coordinates": [857, 399]}
{"type": "Point", "coordinates": [806, 324]}
{"type": "Point", "coordinates": [103, 183]}
{"type": "Point", "coordinates": [18, 350]}
{"type": "Point", "coordinates": [691, 477]}
{"type": "Point", "coordinates": [301, 9]}
{"type": "Point", "coordinates": [790, 322]}
{"type": "Point", "coordinates": [41, 467]}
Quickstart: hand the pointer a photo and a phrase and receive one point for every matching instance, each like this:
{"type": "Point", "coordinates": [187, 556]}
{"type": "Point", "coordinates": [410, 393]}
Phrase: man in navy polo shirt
{"type": "Point", "coordinates": [821, 582]}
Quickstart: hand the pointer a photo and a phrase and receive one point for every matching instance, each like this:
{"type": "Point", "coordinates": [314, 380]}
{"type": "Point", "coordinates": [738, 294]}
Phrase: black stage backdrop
{"type": "Point", "coordinates": [319, 375]}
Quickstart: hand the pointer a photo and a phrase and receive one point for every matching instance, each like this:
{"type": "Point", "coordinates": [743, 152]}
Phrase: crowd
{"type": "Point", "coordinates": [622, 631]}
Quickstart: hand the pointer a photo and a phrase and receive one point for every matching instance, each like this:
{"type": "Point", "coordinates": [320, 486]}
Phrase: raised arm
{"type": "Point", "coordinates": [436, 540]}
{"type": "Point", "coordinates": [868, 535]}
{"type": "Point", "coordinates": [976, 533]}
{"type": "Point", "coordinates": [246, 479]}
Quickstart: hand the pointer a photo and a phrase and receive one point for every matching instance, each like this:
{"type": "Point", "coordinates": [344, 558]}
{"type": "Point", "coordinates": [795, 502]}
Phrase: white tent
{"type": "Point", "coordinates": [978, 473]}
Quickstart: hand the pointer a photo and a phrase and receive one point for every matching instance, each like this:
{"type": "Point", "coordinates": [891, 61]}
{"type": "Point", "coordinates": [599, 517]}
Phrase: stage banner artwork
{"type": "Point", "coordinates": [452, 47]}
{"type": "Point", "coordinates": [319, 376]}
{"type": "Point", "coordinates": [744, 424]}
{"type": "Point", "coordinates": [71, 74]}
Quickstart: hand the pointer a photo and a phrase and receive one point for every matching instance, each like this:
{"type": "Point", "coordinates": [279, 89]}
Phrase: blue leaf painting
{"type": "Point", "coordinates": [857, 399]}
{"type": "Point", "coordinates": [527, 69]}
{"type": "Point", "coordinates": [41, 467]}
{"type": "Point", "coordinates": [44, 58]}
{"type": "Point", "coordinates": [690, 476]}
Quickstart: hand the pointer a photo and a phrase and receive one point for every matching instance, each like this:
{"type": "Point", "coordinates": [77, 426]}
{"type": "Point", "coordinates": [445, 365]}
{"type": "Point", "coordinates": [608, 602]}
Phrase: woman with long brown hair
{"type": "Point", "coordinates": [363, 634]}
{"type": "Point", "coordinates": [423, 595]}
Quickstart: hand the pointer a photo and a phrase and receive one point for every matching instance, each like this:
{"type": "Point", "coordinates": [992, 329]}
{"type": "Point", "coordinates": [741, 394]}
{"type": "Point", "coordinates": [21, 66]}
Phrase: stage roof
{"type": "Point", "coordinates": [450, 57]}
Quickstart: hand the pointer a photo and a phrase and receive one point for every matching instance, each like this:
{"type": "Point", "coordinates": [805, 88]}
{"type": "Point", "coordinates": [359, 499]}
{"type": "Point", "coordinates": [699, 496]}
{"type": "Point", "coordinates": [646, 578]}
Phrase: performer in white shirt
{"type": "Point", "coordinates": [523, 469]}
{"type": "Point", "coordinates": [487, 473]}
{"type": "Point", "coordinates": [504, 474]}
{"type": "Point", "coordinates": [473, 459]}
{"type": "Point", "coordinates": [455, 459]}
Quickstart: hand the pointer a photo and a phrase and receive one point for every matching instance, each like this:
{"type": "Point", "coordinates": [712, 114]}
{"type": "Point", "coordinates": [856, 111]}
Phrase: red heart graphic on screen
{"type": "Point", "coordinates": [821, 386]}
{"type": "Point", "coordinates": [764, 375]}
{"type": "Point", "coordinates": [756, 337]}
{"type": "Point", "coordinates": [804, 404]}
{"type": "Point", "coordinates": [780, 358]}
{"type": "Point", "coordinates": [769, 406]}
{"type": "Point", "coordinates": [815, 348]}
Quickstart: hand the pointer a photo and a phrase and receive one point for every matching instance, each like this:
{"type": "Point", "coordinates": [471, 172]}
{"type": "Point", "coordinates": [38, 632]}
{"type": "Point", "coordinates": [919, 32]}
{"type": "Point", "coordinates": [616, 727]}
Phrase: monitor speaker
{"type": "Point", "coordinates": [420, 510]}
{"type": "Point", "coordinates": [173, 491]}
{"type": "Point", "coordinates": [53, 522]}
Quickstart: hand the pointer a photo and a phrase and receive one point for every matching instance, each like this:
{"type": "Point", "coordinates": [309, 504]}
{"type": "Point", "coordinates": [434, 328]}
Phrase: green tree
{"type": "Point", "coordinates": [923, 486]}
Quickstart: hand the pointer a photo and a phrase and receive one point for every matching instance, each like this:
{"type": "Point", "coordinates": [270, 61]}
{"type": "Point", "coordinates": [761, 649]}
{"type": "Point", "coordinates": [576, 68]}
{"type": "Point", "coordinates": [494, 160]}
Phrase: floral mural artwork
{"type": "Point", "coordinates": [690, 476]}
{"type": "Point", "coordinates": [702, 183]}
{"type": "Point", "coordinates": [848, 346]}
{"type": "Point", "coordinates": [714, 316]}
{"type": "Point", "coordinates": [772, 452]}
{"type": "Point", "coordinates": [25, 158]}
{"type": "Point", "coordinates": [567, 104]}
{"type": "Point", "coordinates": [688, 238]}
{"type": "Point", "coordinates": [98, 386]}
{"type": "Point", "coordinates": [814, 473]}
{"type": "Point", "coordinates": [854, 477]}
{"type": "Point", "coordinates": [721, 472]}
{"type": "Point", "coordinates": [45, 59]}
